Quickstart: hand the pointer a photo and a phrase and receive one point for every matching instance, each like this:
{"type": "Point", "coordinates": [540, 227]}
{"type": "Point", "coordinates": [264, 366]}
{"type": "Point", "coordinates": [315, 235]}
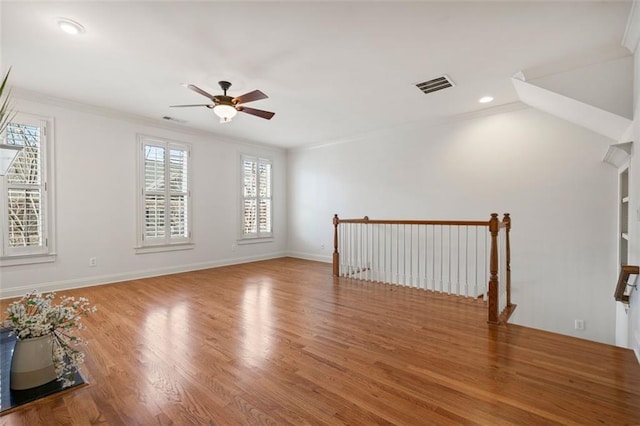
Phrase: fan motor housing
{"type": "Point", "coordinates": [224, 100]}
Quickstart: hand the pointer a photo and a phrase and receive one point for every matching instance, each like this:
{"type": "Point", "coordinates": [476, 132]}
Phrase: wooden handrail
{"type": "Point", "coordinates": [414, 222]}
{"type": "Point", "coordinates": [623, 279]}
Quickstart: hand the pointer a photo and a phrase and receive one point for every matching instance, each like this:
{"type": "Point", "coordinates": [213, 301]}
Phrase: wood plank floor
{"type": "Point", "coordinates": [282, 342]}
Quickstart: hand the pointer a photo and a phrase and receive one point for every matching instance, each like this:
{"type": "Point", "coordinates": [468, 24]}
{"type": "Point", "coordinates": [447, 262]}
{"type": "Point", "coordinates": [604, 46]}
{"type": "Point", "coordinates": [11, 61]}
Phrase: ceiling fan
{"type": "Point", "coordinates": [226, 107]}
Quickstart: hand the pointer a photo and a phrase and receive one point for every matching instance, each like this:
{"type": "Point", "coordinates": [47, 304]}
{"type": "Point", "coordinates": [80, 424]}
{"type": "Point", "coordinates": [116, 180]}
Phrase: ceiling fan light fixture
{"type": "Point", "coordinates": [226, 107]}
{"type": "Point", "coordinates": [70, 27]}
{"type": "Point", "coordinates": [225, 112]}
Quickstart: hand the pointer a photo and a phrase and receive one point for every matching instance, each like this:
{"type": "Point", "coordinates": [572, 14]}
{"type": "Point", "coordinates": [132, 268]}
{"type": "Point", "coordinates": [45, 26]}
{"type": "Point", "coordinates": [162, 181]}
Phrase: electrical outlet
{"type": "Point", "coordinates": [93, 261]}
{"type": "Point", "coordinates": [233, 247]}
{"type": "Point", "coordinates": [579, 324]}
{"type": "Point", "coordinates": [321, 246]}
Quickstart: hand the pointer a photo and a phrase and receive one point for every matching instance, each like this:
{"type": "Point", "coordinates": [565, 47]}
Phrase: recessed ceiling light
{"type": "Point", "coordinates": [70, 27]}
{"type": "Point", "coordinates": [485, 99]}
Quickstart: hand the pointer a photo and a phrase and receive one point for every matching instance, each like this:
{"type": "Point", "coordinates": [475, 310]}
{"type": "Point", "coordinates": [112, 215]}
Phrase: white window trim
{"type": "Point", "coordinates": [254, 240]}
{"type": "Point", "coordinates": [47, 253]}
{"type": "Point", "coordinates": [28, 260]}
{"type": "Point", "coordinates": [142, 246]}
{"type": "Point", "coordinates": [265, 237]}
{"type": "Point", "coordinates": [161, 248]}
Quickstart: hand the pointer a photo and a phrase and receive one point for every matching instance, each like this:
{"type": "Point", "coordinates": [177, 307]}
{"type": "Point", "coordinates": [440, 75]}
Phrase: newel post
{"type": "Point", "coordinates": [336, 255]}
{"type": "Point", "coordinates": [507, 226]}
{"type": "Point", "coordinates": [494, 227]}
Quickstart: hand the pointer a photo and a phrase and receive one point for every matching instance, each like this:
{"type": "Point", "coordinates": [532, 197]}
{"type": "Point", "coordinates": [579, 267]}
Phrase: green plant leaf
{"type": "Point", "coordinates": [6, 115]}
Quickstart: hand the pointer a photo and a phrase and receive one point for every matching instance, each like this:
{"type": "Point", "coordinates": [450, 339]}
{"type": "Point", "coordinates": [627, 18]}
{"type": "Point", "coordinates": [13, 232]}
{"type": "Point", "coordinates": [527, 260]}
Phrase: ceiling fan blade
{"type": "Point", "coordinates": [256, 95]}
{"type": "Point", "coordinates": [257, 112]}
{"type": "Point", "coordinates": [200, 91]}
{"type": "Point", "coordinates": [194, 105]}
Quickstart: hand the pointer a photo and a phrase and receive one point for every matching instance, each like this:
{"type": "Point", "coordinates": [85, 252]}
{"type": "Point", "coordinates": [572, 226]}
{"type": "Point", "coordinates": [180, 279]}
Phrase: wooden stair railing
{"type": "Point", "coordinates": [623, 282]}
{"type": "Point", "coordinates": [498, 286]}
{"type": "Point", "coordinates": [500, 309]}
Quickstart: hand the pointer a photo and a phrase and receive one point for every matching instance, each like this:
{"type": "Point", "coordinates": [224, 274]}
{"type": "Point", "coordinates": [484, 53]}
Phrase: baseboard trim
{"type": "Point", "coordinates": [310, 256]}
{"type": "Point", "coordinates": [135, 275]}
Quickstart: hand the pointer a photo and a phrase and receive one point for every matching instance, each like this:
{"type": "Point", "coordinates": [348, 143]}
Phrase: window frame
{"type": "Point", "coordinates": [10, 256]}
{"type": "Point", "coordinates": [257, 237]}
{"type": "Point", "coordinates": [168, 243]}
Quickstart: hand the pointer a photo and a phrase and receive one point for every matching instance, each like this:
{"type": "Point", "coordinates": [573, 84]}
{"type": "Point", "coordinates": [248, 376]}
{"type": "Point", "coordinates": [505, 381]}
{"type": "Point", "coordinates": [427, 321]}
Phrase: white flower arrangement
{"type": "Point", "coordinates": [36, 315]}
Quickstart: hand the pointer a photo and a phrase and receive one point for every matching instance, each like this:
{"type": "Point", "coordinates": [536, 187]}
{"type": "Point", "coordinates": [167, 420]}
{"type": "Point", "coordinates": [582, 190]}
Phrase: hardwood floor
{"type": "Point", "coordinates": [281, 342]}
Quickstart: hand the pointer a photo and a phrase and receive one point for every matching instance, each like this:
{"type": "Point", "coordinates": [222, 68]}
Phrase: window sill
{"type": "Point", "coordinates": [28, 259]}
{"type": "Point", "coordinates": [259, 240]}
{"type": "Point", "coordinates": [163, 248]}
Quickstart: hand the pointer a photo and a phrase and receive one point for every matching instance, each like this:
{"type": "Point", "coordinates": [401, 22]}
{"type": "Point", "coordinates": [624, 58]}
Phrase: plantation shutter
{"type": "Point", "coordinates": [165, 193]}
{"type": "Point", "coordinates": [256, 197]}
{"type": "Point", "coordinates": [178, 193]}
{"type": "Point", "coordinates": [264, 197]}
{"type": "Point", "coordinates": [154, 192]}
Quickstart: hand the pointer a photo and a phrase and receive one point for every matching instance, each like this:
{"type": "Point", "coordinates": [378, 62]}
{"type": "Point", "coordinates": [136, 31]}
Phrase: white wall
{"type": "Point", "coordinates": [546, 172]}
{"type": "Point", "coordinates": [96, 203]}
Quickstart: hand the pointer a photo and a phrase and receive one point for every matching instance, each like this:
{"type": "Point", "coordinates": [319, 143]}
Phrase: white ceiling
{"type": "Point", "coordinates": [332, 70]}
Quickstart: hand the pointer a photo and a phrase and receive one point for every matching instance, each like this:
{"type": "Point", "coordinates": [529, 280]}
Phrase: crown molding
{"type": "Point", "coordinates": [31, 96]}
{"type": "Point", "coordinates": [466, 116]}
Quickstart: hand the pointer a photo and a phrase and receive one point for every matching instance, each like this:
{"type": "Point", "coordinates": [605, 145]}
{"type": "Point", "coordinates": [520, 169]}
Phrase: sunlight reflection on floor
{"type": "Point", "coordinates": [165, 338]}
{"type": "Point", "coordinates": [258, 323]}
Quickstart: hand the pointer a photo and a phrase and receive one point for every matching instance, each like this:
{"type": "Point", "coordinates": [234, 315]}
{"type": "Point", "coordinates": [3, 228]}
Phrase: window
{"type": "Point", "coordinates": [25, 198]}
{"type": "Point", "coordinates": [256, 197]}
{"type": "Point", "coordinates": [165, 197]}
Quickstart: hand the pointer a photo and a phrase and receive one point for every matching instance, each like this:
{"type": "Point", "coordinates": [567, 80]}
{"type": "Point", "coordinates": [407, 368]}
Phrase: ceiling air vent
{"type": "Point", "coordinates": [435, 84]}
